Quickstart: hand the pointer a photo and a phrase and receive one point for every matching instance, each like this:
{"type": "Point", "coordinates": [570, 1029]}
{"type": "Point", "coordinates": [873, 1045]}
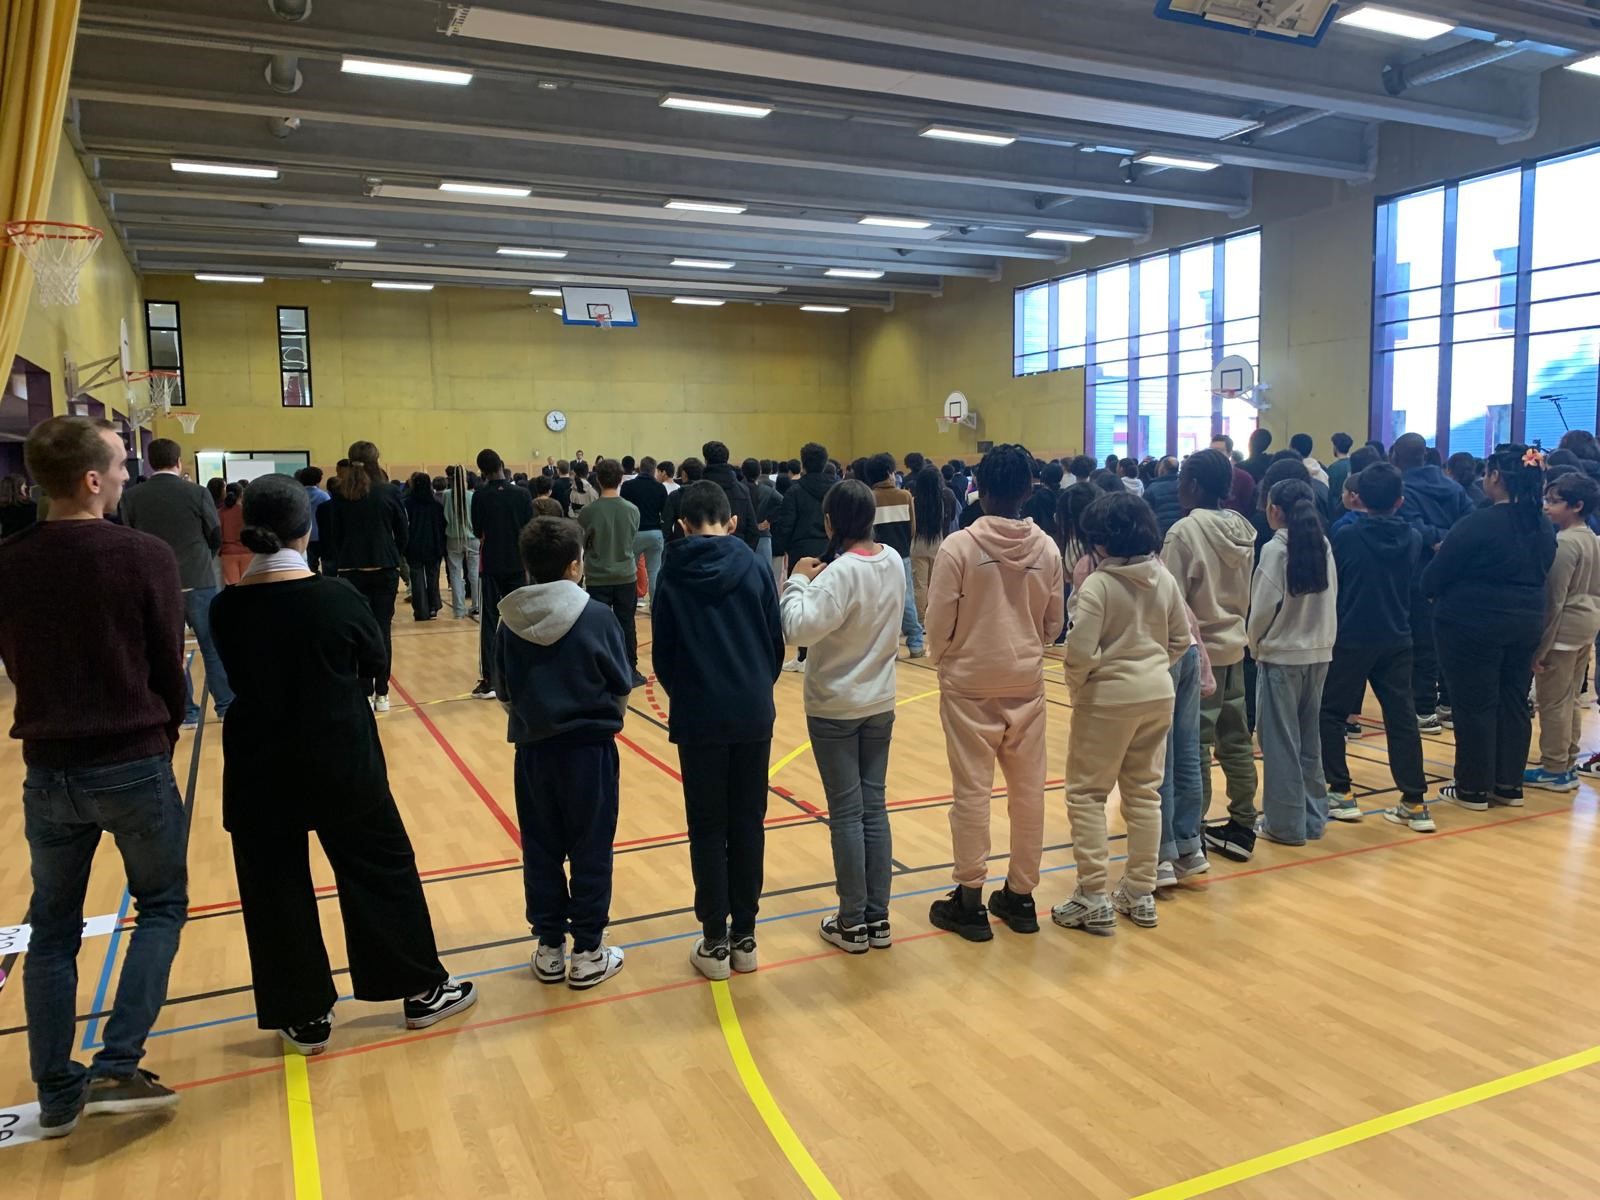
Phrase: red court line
{"type": "Point", "coordinates": [648, 757]}
{"type": "Point", "coordinates": [329, 888]}
{"type": "Point", "coordinates": [506, 822]}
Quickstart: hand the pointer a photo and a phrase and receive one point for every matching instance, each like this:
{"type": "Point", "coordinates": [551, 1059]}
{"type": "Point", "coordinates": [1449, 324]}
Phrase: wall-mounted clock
{"type": "Point", "coordinates": [555, 420]}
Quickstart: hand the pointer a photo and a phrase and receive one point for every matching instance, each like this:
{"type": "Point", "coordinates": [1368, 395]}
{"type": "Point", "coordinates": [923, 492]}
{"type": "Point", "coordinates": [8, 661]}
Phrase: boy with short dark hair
{"type": "Point", "coordinates": [561, 673]}
{"type": "Point", "coordinates": [610, 525]}
{"type": "Point", "coordinates": [718, 651]}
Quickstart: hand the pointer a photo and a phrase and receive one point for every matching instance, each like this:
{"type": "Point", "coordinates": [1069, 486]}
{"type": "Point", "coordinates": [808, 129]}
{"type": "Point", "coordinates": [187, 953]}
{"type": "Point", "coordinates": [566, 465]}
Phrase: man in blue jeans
{"type": "Point", "coordinates": [183, 515]}
{"type": "Point", "coordinates": [97, 660]}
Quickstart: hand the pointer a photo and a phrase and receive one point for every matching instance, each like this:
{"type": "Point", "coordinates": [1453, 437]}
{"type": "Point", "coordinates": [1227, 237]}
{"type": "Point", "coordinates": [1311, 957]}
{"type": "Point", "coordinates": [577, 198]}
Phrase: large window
{"type": "Point", "coordinates": [1486, 316]}
{"type": "Point", "coordinates": [1147, 334]}
{"type": "Point", "coordinates": [294, 356]}
{"type": "Point", "coordinates": [164, 342]}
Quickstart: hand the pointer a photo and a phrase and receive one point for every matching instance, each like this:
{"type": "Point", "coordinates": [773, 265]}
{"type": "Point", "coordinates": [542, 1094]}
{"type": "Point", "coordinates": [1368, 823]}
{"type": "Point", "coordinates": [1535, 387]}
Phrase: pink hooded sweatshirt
{"type": "Point", "coordinates": [994, 603]}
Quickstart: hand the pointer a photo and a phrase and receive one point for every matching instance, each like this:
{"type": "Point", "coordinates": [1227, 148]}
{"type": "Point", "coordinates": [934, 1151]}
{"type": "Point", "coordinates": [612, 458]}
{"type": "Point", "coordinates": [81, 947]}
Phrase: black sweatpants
{"type": "Point", "coordinates": [379, 589]}
{"type": "Point", "coordinates": [1489, 669]}
{"type": "Point", "coordinates": [725, 800]}
{"type": "Point", "coordinates": [387, 931]}
{"type": "Point", "coordinates": [623, 600]}
{"type": "Point", "coordinates": [1388, 670]}
{"type": "Point", "coordinates": [567, 809]}
{"type": "Point", "coordinates": [495, 589]}
{"type": "Point", "coordinates": [1425, 689]}
{"type": "Point", "coordinates": [425, 599]}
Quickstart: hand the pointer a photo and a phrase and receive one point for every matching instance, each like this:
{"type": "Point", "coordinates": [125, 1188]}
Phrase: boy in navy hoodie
{"type": "Point", "coordinates": [718, 650]}
{"type": "Point", "coordinates": [1376, 557]}
{"type": "Point", "coordinates": [562, 673]}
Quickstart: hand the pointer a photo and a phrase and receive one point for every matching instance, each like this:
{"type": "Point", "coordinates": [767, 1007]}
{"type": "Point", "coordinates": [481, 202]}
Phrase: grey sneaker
{"type": "Point", "coordinates": [1092, 914]}
{"type": "Point", "coordinates": [1417, 819]}
{"type": "Point", "coordinates": [59, 1123]}
{"type": "Point", "coordinates": [744, 955]}
{"type": "Point", "coordinates": [1194, 862]}
{"type": "Point", "coordinates": [1343, 807]}
{"type": "Point", "coordinates": [140, 1092]}
{"type": "Point", "coordinates": [1166, 875]}
{"type": "Point", "coordinates": [1430, 725]}
{"type": "Point", "coordinates": [1141, 910]}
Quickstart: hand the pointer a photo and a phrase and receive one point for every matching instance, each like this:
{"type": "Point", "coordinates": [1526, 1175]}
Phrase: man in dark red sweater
{"type": "Point", "coordinates": [91, 634]}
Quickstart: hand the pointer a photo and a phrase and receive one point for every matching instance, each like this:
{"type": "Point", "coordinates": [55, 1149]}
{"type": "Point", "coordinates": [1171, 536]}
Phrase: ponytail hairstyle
{"type": "Point", "coordinates": [456, 482]}
{"type": "Point", "coordinates": [851, 512]}
{"type": "Point", "coordinates": [231, 494]}
{"type": "Point", "coordinates": [1521, 472]}
{"type": "Point", "coordinates": [1070, 507]}
{"type": "Point", "coordinates": [1308, 547]}
{"type": "Point", "coordinates": [277, 511]}
{"type": "Point", "coordinates": [927, 497]}
{"type": "Point", "coordinates": [361, 472]}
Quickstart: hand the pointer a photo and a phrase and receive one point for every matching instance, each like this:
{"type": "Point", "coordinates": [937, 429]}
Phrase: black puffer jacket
{"type": "Point", "coordinates": [1162, 495]}
{"type": "Point", "coordinates": [797, 529]}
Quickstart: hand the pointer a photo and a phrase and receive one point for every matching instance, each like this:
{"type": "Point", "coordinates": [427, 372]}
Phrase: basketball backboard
{"type": "Point", "coordinates": [1303, 22]}
{"type": "Point", "coordinates": [593, 306]}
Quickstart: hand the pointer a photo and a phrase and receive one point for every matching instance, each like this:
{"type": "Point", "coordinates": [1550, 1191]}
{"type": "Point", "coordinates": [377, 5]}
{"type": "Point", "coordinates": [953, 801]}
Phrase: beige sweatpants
{"type": "Point", "coordinates": [923, 555]}
{"type": "Point", "coordinates": [1560, 714]}
{"type": "Point", "coordinates": [1122, 746]}
{"type": "Point", "coordinates": [977, 734]}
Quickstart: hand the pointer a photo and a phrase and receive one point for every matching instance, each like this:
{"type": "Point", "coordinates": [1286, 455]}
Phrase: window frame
{"type": "Point", "coordinates": [181, 400]}
{"type": "Point", "coordinates": [310, 388]}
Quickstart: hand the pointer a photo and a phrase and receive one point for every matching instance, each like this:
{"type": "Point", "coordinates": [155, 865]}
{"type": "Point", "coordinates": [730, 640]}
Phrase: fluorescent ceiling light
{"type": "Point", "coordinates": [854, 273]}
{"type": "Point", "coordinates": [484, 189]}
{"type": "Point", "coordinates": [214, 278]}
{"type": "Point", "coordinates": [699, 301]}
{"type": "Point", "coordinates": [1586, 66]}
{"type": "Point", "coordinates": [1177, 162]}
{"type": "Point", "coordinates": [704, 264]}
{"type": "Point", "coordinates": [211, 168]}
{"type": "Point", "coordinates": [310, 239]}
{"type": "Point", "coordinates": [722, 108]}
{"type": "Point", "coordinates": [401, 285]}
{"type": "Point", "coordinates": [401, 70]}
{"type": "Point", "coordinates": [1397, 24]}
{"type": "Point", "coordinates": [978, 137]}
{"type": "Point", "coordinates": [706, 206]}
{"type": "Point", "coordinates": [526, 252]}
{"type": "Point", "coordinates": [824, 308]}
{"type": "Point", "coordinates": [895, 222]}
{"type": "Point", "coordinates": [1054, 235]}
{"type": "Point", "coordinates": [548, 293]}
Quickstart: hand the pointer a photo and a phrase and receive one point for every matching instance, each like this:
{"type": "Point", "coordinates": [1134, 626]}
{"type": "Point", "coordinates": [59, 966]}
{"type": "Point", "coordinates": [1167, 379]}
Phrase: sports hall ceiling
{"type": "Point", "coordinates": [565, 102]}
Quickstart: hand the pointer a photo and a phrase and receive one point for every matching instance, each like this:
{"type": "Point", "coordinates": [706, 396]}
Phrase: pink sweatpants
{"type": "Point", "coordinates": [977, 732]}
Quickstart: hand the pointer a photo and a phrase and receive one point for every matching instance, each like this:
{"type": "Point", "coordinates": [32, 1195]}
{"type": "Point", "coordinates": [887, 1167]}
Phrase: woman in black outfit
{"type": "Point", "coordinates": [285, 634]}
{"type": "Point", "coordinates": [1487, 584]}
{"type": "Point", "coordinates": [17, 511]}
{"type": "Point", "coordinates": [424, 546]}
{"type": "Point", "coordinates": [367, 526]}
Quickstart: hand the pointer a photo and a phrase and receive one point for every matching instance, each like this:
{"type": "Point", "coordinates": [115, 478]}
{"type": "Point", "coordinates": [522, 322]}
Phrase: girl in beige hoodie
{"type": "Point", "coordinates": [1129, 627]}
{"type": "Point", "coordinates": [994, 603]}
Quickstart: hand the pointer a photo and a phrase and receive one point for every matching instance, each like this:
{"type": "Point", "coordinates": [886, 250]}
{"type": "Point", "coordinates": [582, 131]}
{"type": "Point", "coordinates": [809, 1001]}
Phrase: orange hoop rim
{"type": "Point", "coordinates": [51, 231]}
{"type": "Point", "coordinates": [141, 376]}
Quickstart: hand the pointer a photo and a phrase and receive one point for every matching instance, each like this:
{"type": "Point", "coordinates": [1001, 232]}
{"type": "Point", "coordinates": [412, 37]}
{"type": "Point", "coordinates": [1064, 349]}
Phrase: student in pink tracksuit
{"type": "Point", "coordinates": [994, 604]}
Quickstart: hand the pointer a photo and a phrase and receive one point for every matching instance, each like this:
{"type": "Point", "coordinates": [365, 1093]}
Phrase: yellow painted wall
{"type": "Point", "coordinates": [108, 291]}
{"type": "Point", "coordinates": [434, 377]}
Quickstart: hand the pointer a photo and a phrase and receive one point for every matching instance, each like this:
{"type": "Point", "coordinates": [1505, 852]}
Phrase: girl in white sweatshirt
{"type": "Point", "coordinates": [1293, 622]}
{"type": "Point", "coordinates": [847, 612]}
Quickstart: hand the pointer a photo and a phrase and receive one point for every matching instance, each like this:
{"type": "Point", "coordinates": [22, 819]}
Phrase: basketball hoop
{"type": "Point", "coordinates": [600, 314]}
{"type": "Point", "coordinates": [956, 412]}
{"type": "Point", "coordinates": [57, 252]}
{"type": "Point", "coordinates": [163, 391]}
{"type": "Point", "coordinates": [188, 420]}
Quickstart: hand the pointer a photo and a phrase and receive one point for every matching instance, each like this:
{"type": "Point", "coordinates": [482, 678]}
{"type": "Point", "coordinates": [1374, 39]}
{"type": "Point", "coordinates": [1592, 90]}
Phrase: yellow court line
{"type": "Point", "coordinates": [1388, 1123]}
{"type": "Point", "coordinates": [302, 1128]}
{"type": "Point", "coordinates": [750, 1075]}
{"type": "Point", "coordinates": [804, 746]}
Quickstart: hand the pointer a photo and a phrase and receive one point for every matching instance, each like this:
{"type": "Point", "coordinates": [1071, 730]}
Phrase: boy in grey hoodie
{"type": "Point", "coordinates": [1211, 552]}
{"type": "Point", "coordinates": [562, 674]}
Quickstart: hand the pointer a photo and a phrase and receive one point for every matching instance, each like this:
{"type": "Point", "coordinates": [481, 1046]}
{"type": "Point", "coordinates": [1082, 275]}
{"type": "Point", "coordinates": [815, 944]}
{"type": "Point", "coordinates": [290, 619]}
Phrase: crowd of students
{"type": "Point", "coordinates": [1203, 605]}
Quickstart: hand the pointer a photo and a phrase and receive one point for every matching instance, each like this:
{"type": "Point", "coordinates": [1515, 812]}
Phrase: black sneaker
{"type": "Point", "coordinates": [638, 679]}
{"type": "Point", "coordinates": [483, 691]}
{"type": "Point", "coordinates": [443, 1001]}
{"type": "Point", "coordinates": [879, 935]}
{"type": "Point", "coordinates": [1016, 911]}
{"type": "Point", "coordinates": [140, 1092]}
{"type": "Point", "coordinates": [1352, 731]}
{"type": "Point", "coordinates": [962, 912]}
{"type": "Point", "coordinates": [852, 939]}
{"type": "Point", "coordinates": [1429, 725]}
{"type": "Point", "coordinates": [1231, 840]}
{"type": "Point", "coordinates": [57, 1123]}
{"type": "Point", "coordinates": [309, 1039]}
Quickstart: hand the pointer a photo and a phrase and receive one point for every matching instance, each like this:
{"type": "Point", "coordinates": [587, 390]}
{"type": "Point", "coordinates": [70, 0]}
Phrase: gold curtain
{"type": "Point", "coordinates": [35, 63]}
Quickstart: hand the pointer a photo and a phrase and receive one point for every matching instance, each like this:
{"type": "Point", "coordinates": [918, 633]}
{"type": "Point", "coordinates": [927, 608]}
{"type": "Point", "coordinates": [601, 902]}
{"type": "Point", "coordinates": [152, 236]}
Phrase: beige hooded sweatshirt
{"type": "Point", "coordinates": [1211, 553]}
{"type": "Point", "coordinates": [1129, 626]}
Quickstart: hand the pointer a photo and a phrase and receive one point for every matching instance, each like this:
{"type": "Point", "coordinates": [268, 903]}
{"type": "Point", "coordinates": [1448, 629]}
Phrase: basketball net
{"type": "Point", "coordinates": [188, 421]}
{"type": "Point", "coordinates": [157, 402]}
{"type": "Point", "coordinates": [601, 314]}
{"type": "Point", "coordinates": [57, 252]}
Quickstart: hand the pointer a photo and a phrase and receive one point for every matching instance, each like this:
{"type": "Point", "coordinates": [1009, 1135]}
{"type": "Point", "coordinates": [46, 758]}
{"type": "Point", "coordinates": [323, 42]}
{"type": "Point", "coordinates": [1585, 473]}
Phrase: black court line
{"type": "Point", "coordinates": [1048, 699]}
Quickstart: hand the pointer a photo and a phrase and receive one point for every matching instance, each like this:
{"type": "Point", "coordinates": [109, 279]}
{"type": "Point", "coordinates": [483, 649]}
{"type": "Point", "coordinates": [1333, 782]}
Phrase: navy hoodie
{"type": "Point", "coordinates": [718, 641]}
{"type": "Point", "coordinates": [1377, 560]}
{"type": "Point", "coordinates": [1433, 504]}
{"type": "Point", "coordinates": [560, 669]}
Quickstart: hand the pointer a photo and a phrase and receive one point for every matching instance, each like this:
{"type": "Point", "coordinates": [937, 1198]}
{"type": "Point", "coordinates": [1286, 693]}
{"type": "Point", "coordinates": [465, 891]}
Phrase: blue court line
{"type": "Point", "coordinates": [92, 1028]}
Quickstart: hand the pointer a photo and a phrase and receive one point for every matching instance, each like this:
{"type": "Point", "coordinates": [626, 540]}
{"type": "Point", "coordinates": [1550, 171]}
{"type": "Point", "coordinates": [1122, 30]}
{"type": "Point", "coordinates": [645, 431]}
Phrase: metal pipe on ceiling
{"type": "Point", "coordinates": [1447, 64]}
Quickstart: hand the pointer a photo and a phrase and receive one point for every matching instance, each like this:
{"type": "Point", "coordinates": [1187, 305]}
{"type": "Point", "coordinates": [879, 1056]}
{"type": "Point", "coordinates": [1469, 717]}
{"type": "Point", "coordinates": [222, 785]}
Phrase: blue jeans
{"type": "Point", "coordinates": [459, 553]}
{"type": "Point", "coordinates": [197, 612]}
{"type": "Point", "coordinates": [65, 812]}
{"type": "Point", "coordinates": [1182, 797]}
{"type": "Point", "coordinates": [910, 625]}
{"type": "Point", "coordinates": [1294, 793]}
{"type": "Point", "coordinates": [650, 543]}
{"type": "Point", "coordinates": [853, 759]}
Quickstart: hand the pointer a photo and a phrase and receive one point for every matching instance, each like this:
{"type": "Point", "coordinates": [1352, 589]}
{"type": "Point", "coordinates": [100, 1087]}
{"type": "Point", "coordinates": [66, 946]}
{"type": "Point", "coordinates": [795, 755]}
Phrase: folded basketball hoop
{"type": "Point", "coordinates": [57, 252]}
{"type": "Point", "coordinates": [188, 420]}
{"type": "Point", "coordinates": [163, 390]}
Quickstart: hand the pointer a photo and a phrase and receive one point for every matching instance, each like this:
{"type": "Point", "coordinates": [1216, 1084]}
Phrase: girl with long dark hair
{"type": "Point", "coordinates": [1293, 622]}
{"type": "Point", "coordinates": [847, 614]}
{"type": "Point", "coordinates": [928, 499]}
{"type": "Point", "coordinates": [460, 546]}
{"type": "Point", "coordinates": [284, 634]}
{"type": "Point", "coordinates": [1487, 582]}
{"type": "Point", "coordinates": [235, 556]}
{"type": "Point", "coordinates": [424, 546]}
{"type": "Point", "coordinates": [368, 528]}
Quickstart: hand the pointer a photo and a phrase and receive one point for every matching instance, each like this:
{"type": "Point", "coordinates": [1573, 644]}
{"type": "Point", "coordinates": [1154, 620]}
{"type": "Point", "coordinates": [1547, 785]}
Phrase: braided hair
{"type": "Point", "coordinates": [1005, 477]}
{"type": "Point", "coordinates": [1521, 472]}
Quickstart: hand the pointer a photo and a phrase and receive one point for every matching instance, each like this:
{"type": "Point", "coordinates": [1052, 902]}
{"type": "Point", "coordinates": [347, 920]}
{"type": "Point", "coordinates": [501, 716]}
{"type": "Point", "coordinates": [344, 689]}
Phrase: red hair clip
{"type": "Point", "coordinates": [1533, 458]}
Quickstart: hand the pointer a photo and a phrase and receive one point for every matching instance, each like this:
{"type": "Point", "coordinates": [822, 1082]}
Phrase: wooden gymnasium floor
{"type": "Point", "coordinates": [1381, 1014]}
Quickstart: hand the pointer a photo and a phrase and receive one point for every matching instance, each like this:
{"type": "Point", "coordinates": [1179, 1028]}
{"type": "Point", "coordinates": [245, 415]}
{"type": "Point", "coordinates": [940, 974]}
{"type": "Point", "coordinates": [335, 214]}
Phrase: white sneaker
{"type": "Point", "coordinates": [1141, 910]}
{"type": "Point", "coordinates": [795, 664]}
{"type": "Point", "coordinates": [744, 955]}
{"type": "Point", "coordinates": [550, 963]}
{"type": "Point", "coordinates": [380, 704]}
{"type": "Point", "coordinates": [711, 958]}
{"type": "Point", "coordinates": [590, 967]}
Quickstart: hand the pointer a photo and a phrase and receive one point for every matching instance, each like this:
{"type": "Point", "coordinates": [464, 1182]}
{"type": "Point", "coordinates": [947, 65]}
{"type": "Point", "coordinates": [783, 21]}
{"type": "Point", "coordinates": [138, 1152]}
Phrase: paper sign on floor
{"type": "Point", "coordinates": [19, 1125]}
{"type": "Point", "coordinates": [14, 939]}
